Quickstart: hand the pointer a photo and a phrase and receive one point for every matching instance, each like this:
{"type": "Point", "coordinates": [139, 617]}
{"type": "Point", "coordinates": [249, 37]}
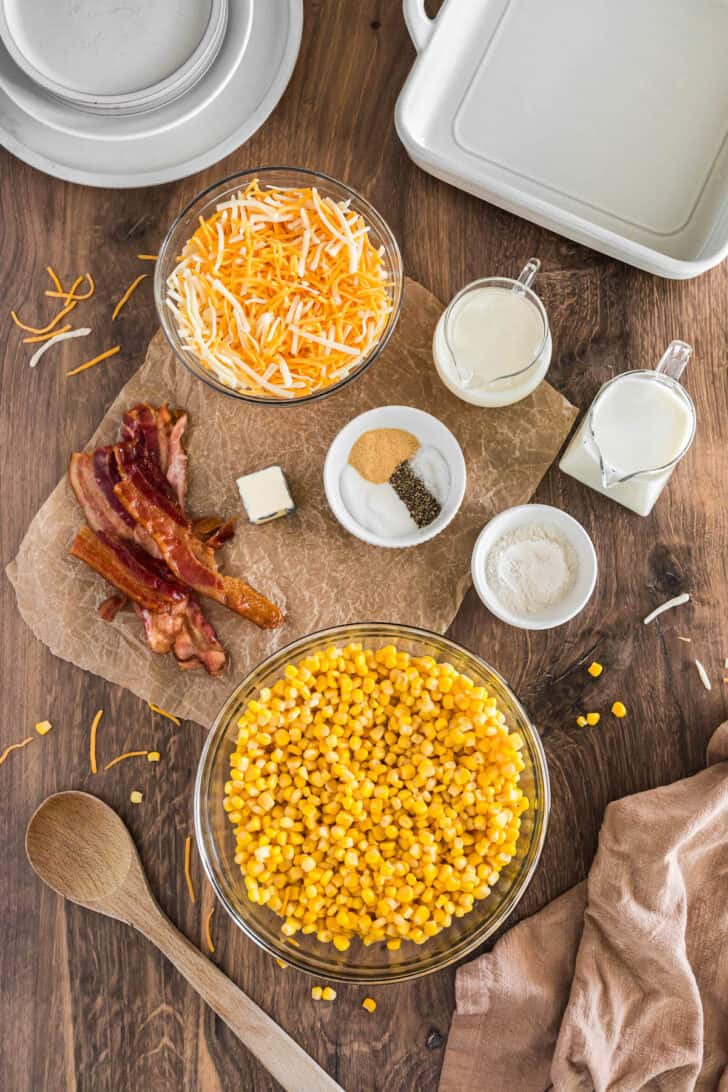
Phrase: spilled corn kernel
{"type": "Point", "coordinates": [369, 1004]}
{"type": "Point", "coordinates": [593, 718]}
{"type": "Point", "coordinates": [281, 963]}
{"type": "Point", "coordinates": [316, 993]}
{"type": "Point", "coordinates": [595, 669]}
{"type": "Point", "coordinates": [373, 795]}
{"type": "Point", "coordinates": [619, 710]}
{"type": "Point", "coordinates": [328, 994]}
{"type": "Point", "coordinates": [135, 796]}
{"type": "Point", "coordinates": [43, 727]}
{"type": "Point", "coordinates": [582, 721]}
{"type": "Point", "coordinates": [153, 756]}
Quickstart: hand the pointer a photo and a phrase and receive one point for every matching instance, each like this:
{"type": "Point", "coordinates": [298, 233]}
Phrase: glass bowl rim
{"type": "Point", "coordinates": [480, 934]}
{"type": "Point", "coordinates": [398, 278]}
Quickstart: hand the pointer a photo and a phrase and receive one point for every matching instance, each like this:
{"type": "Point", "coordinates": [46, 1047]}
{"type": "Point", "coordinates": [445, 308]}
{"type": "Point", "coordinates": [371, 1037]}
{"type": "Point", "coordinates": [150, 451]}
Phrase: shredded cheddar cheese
{"type": "Point", "coordinates": [127, 754]}
{"type": "Point", "coordinates": [132, 288]}
{"type": "Point", "coordinates": [188, 873]}
{"type": "Point", "coordinates": [208, 933]}
{"type": "Point", "coordinates": [63, 335]}
{"type": "Point", "coordinates": [280, 292]}
{"type": "Point", "coordinates": [164, 713]}
{"type": "Point", "coordinates": [92, 740]}
{"type": "Point", "coordinates": [72, 294]}
{"type": "Point", "coordinates": [14, 747]}
{"type": "Point", "coordinates": [47, 337]}
{"type": "Point", "coordinates": [147, 257]}
{"type": "Point", "coordinates": [95, 360]}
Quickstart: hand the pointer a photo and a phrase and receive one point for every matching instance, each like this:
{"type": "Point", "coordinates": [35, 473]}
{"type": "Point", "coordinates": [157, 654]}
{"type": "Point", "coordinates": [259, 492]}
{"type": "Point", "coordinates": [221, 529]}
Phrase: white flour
{"type": "Point", "coordinates": [531, 567]}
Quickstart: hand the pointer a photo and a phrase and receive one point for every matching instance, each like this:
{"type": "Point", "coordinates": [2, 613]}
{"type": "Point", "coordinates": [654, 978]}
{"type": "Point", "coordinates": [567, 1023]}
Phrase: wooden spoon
{"type": "Point", "coordinates": [82, 849]}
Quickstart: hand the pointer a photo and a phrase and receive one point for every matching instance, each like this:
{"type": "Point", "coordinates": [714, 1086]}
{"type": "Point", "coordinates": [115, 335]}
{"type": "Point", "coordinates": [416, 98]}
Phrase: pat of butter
{"type": "Point", "coordinates": [265, 494]}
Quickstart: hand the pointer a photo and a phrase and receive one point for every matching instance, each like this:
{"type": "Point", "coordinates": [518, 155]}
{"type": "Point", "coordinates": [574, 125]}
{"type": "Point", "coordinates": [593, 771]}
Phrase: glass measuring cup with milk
{"type": "Point", "coordinates": [492, 345]}
{"type": "Point", "coordinates": [637, 429]}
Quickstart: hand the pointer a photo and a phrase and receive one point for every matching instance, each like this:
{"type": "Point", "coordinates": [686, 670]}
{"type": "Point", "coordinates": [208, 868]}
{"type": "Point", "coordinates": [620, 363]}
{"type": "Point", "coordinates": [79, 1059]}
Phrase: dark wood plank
{"type": "Point", "coordinates": [87, 1006]}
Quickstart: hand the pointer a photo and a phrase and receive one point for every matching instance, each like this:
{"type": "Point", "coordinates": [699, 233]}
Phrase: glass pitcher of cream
{"type": "Point", "coordinates": [492, 345]}
{"type": "Point", "coordinates": [637, 429]}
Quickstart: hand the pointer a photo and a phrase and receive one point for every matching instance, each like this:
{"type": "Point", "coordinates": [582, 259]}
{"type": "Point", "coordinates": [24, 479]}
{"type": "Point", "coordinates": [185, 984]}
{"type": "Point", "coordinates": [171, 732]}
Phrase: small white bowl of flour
{"type": "Point", "coordinates": [534, 566]}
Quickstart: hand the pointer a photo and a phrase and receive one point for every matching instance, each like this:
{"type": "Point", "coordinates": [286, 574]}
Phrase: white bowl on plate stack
{"type": "Point", "coordinates": [140, 93]}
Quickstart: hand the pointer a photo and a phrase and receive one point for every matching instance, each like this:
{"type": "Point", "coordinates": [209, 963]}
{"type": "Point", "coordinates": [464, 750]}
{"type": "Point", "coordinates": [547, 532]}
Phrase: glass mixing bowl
{"type": "Point", "coordinates": [376, 963]}
{"type": "Point", "coordinates": [293, 177]}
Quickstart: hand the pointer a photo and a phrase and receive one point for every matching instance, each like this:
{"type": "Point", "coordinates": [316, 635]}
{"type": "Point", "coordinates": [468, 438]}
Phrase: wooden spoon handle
{"type": "Point", "coordinates": [281, 1055]}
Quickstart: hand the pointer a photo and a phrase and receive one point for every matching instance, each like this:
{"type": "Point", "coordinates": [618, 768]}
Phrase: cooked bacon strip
{"type": "Point", "coordinates": [156, 434]}
{"type": "Point", "coordinates": [186, 632]}
{"type": "Point", "coordinates": [190, 560]}
{"type": "Point", "coordinates": [213, 531]}
{"type": "Point", "coordinates": [92, 478]}
{"type": "Point", "coordinates": [111, 606]}
{"type": "Point", "coordinates": [130, 569]}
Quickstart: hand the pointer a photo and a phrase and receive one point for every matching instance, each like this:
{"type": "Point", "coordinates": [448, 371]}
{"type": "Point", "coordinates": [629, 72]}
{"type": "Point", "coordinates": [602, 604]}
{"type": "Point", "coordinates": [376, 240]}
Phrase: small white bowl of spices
{"type": "Point", "coordinates": [395, 476]}
{"type": "Point", "coordinates": [534, 566]}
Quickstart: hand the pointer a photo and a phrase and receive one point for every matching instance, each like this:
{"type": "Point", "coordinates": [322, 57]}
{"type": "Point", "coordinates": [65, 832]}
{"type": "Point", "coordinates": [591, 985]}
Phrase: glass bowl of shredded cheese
{"type": "Point", "coordinates": [278, 285]}
{"type": "Point", "coordinates": [371, 803]}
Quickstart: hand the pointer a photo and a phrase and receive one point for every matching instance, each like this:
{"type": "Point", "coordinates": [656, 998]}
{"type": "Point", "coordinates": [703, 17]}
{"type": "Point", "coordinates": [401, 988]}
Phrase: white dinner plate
{"type": "Point", "coordinates": [33, 99]}
{"type": "Point", "coordinates": [229, 104]}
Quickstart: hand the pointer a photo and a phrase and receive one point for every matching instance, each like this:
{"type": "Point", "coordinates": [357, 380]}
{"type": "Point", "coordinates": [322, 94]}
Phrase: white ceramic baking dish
{"type": "Point", "coordinates": [603, 120]}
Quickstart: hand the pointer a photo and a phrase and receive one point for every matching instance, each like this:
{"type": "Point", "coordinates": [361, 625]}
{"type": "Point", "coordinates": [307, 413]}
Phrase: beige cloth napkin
{"type": "Point", "coordinates": [621, 983]}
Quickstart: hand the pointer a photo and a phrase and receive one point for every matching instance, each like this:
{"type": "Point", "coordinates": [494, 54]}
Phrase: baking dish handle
{"type": "Point", "coordinates": [418, 22]}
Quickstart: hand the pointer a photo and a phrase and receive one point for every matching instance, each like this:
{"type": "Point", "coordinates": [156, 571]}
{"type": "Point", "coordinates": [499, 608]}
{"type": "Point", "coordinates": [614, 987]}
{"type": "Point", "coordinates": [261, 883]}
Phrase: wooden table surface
{"type": "Point", "coordinates": [86, 1005]}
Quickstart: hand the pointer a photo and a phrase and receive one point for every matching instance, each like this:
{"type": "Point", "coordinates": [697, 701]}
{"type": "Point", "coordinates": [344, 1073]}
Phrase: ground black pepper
{"type": "Point", "coordinates": [420, 502]}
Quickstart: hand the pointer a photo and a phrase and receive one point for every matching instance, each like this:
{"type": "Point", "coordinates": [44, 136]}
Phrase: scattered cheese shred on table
{"type": "Point", "coordinates": [92, 740]}
{"type": "Point", "coordinates": [677, 601]}
{"type": "Point", "coordinates": [164, 713]}
{"type": "Point", "coordinates": [51, 337]}
{"type": "Point", "coordinates": [280, 291]}
{"type": "Point", "coordinates": [147, 257]}
{"type": "Point", "coordinates": [14, 747]}
{"type": "Point", "coordinates": [686, 639]}
{"type": "Point", "coordinates": [208, 933]}
{"type": "Point", "coordinates": [704, 678]}
{"type": "Point", "coordinates": [188, 873]}
{"type": "Point", "coordinates": [54, 277]}
{"type": "Point", "coordinates": [95, 360]}
{"type": "Point", "coordinates": [63, 335]}
{"type": "Point", "coordinates": [43, 727]}
{"type": "Point", "coordinates": [132, 288]}
{"type": "Point", "coordinates": [72, 294]}
{"type": "Point", "coordinates": [126, 754]}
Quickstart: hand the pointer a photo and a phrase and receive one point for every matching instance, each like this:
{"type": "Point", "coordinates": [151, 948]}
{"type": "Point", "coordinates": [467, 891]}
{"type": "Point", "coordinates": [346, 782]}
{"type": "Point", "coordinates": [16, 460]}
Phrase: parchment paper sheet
{"type": "Point", "coordinates": [306, 562]}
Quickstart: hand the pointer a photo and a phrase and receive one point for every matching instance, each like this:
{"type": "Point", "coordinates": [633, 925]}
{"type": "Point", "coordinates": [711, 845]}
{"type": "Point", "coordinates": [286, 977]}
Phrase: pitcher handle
{"type": "Point", "coordinates": [675, 359]}
{"type": "Point", "coordinates": [527, 275]}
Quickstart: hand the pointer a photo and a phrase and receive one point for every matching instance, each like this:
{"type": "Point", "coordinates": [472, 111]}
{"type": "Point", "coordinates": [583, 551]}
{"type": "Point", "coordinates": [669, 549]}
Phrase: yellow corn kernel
{"type": "Point", "coordinates": [582, 722]}
{"type": "Point", "coordinates": [619, 710]}
{"type": "Point", "coordinates": [43, 727]}
{"type": "Point", "coordinates": [135, 796]}
{"type": "Point", "coordinates": [316, 993]}
{"type": "Point", "coordinates": [595, 669]}
{"type": "Point", "coordinates": [394, 944]}
{"type": "Point", "coordinates": [280, 962]}
{"type": "Point", "coordinates": [369, 1004]}
{"type": "Point", "coordinates": [328, 994]}
{"type": "Point", "coordinates": [153, 756]}
{"type": "Point", "coordinates": [593, 718]}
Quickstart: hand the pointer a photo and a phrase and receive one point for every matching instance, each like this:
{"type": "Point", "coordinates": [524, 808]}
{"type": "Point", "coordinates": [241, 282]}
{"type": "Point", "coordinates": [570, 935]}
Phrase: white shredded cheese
{"type": "Point", "coordinates": [81, 332]}
{"type": "Point", "coordinates": [677, 601]}
{"type": "Point", "coordinates": [703, 675]}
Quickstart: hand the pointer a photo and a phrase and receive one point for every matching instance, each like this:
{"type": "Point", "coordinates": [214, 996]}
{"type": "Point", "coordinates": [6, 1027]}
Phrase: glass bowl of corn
{"type": "Point", "coordinates": [371, 803]}
{"type": "Point", "coordinates": [278, 285]}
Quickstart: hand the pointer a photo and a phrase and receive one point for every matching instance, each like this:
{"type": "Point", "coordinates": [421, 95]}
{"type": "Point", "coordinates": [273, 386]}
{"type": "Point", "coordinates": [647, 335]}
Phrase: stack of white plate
{"type": "Point", "coordinates": [141, 92]}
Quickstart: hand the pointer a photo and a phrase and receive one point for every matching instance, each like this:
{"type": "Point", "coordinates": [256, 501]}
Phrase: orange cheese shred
{"type": "Point", "coordinates": [14, 747]}
{"type": "Point", "coordinates": [54, 277]}
{"type": "Point", "coordinates": [208, 933]}
{"type": "Point", "coordinates": [164, 713]}
{"type": "Point", "coordinates": [48, 336]}
{"type": "Point", "coordinates": [95, 360]}
{"type": "Point", "coordinates": [59, 294]}
{"type": "Point", "coordinates": [132, 288]}
{"type": "Point", "coordinates": [188, 873]}
{"type": "Point", "coordinates": [92, 740]}
{"type": "Point", "coordinates": [147, 257]}
{"type": "Point", "coordinates": [126, 754]}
